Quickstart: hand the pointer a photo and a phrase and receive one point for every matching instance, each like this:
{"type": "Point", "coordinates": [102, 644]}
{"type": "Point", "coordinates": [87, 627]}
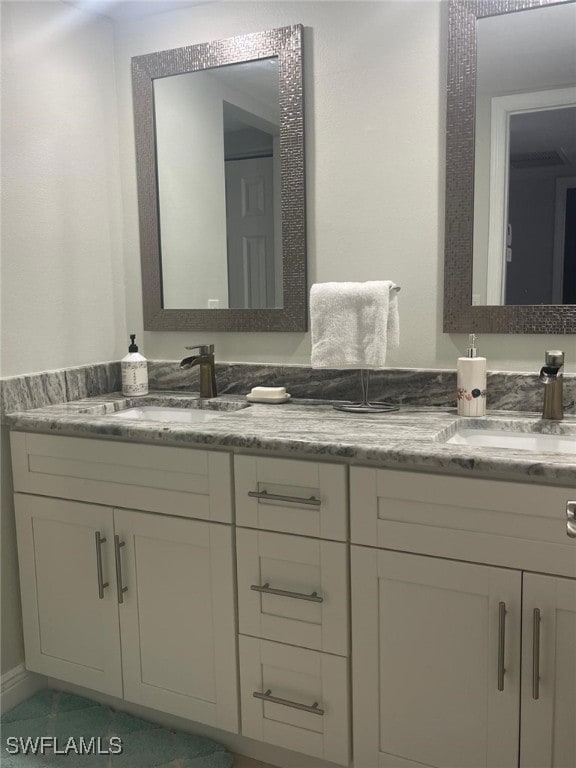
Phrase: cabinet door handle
{"type": "Point", "coordinates": [501, 644]}
{"type": "Point", "coordinates": [536, 654]}
{"type": "Point", "coordinates": [313, 597]}
{"type": "Point", "coordinates": [120, 589]}
{"type": "Point", "coordinates": [312, 500]}
{"type": "Point", "coordinates": [314, 709]}
{"type": "Point", "coordinates": [101, 583]}
{"type": "Point", "coordinates": [571, 519]}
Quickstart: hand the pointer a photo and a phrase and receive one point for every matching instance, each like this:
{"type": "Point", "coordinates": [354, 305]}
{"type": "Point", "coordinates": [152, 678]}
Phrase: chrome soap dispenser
{"type": "Point", "coordinates": [471, 382]}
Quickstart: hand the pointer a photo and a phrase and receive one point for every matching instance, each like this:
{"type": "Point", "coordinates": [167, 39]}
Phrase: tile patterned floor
{"type": "Point", "coordinates": [64, 716]}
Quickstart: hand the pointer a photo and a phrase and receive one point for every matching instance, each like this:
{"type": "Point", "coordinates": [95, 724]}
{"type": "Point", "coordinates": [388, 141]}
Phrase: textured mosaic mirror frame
{"type": "Point", "coordinates": [459, 314]}
{"type": "Point", "coordinates": [285, 43]}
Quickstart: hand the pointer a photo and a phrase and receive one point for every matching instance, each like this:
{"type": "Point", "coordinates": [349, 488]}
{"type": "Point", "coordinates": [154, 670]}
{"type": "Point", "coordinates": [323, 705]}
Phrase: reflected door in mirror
{"type": "Point", "coordinates": [253, 259]}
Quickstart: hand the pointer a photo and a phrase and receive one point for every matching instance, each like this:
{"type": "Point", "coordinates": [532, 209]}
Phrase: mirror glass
{"type": "Point", "coordinates": [218, 157]}
{"type": "Point", "coordinates": [219, 131]}
{"type": "Point", "coordinates": [525, 158]}
{"type": "Point", "coordinates": [510, 239]}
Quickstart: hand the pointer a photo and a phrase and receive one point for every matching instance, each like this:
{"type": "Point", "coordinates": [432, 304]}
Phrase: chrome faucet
{"type": "Point", "coordinates": [552, 378]}
{"type": "Point", "coordinates": [205, 359]}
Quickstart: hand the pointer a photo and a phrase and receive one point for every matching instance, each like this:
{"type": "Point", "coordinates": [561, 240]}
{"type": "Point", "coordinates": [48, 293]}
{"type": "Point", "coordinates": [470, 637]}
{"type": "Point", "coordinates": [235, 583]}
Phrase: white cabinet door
{"type": "Point", "coordinates": [70, 626]}
{"type": "Point", "coordinates": [178, 617]}
{"type": "Point", "coordinates": [293, 589]}
{"type": "Point", "coordinates": [426, 655]}
{"type": "Point", "coordinates": [295, 698]}
{"type": "Point", "coordinates": [548, 673]}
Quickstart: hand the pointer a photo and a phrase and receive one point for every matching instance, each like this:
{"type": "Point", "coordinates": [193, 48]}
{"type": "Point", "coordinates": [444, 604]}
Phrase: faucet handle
{"type": "Point", "coordinates": [554, 357]}
{"type": "Point", "coordinates": [205, 349]}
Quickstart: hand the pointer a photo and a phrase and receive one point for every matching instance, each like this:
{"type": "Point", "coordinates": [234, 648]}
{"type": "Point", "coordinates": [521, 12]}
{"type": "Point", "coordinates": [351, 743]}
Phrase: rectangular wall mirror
{"type": "Point", "coordinates": [220, 164]}
{"type": "Point", "coordinates": [510, 255]}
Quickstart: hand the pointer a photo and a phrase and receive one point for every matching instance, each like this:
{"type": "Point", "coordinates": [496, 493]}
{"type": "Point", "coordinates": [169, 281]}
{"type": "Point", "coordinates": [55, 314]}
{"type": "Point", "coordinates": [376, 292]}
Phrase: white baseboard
{"type": "Point", "coordinates": [18, 684]}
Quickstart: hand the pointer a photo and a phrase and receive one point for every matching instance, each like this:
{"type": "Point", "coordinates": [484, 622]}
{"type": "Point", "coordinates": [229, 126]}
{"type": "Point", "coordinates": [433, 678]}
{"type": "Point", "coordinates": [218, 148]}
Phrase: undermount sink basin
{"type": "Point", "coordinates": [523, 441]}
{"type": "Point", "coordinates": [196, 412]}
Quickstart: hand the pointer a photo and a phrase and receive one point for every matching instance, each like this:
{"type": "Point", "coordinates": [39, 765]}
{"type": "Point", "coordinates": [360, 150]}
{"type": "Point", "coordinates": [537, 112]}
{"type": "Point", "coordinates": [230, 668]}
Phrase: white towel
{"type": "Point", "coordinates": [353, 324]}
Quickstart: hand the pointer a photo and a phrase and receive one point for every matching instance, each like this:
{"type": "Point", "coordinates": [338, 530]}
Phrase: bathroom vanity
{"type": "Point", "coordinates": [394, 599]}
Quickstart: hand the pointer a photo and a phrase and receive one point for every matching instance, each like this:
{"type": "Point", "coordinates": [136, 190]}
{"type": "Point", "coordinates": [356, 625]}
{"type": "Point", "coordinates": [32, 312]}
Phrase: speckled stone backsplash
{"type": "Point", "coordinates": [36, 390]}
{"type": "Point", "coordinates": [407, 386]}
{"type": "Point", "coordinates": [403, 386]}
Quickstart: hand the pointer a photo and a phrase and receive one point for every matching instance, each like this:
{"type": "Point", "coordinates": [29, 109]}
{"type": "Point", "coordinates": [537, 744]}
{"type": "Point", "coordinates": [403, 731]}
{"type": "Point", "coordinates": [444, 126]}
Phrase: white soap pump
{"type": "Point", "coordinates": [471, 382]}
{"type": "Point", "coordinates": [134, 371]}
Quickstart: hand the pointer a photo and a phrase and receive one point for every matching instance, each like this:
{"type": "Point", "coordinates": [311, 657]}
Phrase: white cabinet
{"type": "Point", "coordinates": [295, 698]}
{"type": "Point", "coordinates": [293, 589]}
{"type": "Point", "coordinates": [463, 650]}
{"type": "Point", "coordinates": [548, 735]}
{"type": "Point", "coordinates": [516, 525]}
{"type": "Point", "coordinates": [69, 632]}
{"type": "Point", "coordinates": [448, 691]}
{"type": "Point", "coordinates": [187, 482]}
{"type": "Point", "coordinates": [436, 659]}
{"type": "Point", "coordinates": [431, 625]}
{"type": "Point", "coordinates": [177, 617]}
{"type": "Point", "coordinates": [308, 498]}
{"type": "Point", "coordinates": [293, 603]}
{"type": "Point", "coordinates": [167, 591]}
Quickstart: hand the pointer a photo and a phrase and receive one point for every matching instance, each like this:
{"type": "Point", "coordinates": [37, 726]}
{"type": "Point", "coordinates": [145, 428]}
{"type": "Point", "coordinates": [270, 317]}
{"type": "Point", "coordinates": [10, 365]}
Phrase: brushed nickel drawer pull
{"type": "Point", "coordinates": [266, 589]}
{"type": "Point", "coordinates": [101, 583]}
{"type": "Point", "coordinates": [501, 644]}
{"type": "Point", "coordinates": [571, 519]}
{"type": "Point", "coordinates": [536, 654]}
{"type": "Point", "coordinates": [312, 501]}
{"type": "Point", "coordinates": [314, 709]}
{"type": "Point", "coordinates": [120, 589]}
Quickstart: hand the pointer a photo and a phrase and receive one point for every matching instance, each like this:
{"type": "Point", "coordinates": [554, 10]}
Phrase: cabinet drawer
{"type": "Point", "coordinates": [175, 481]}
{"type": "Point", "coordinates": [309, 713]}
{"type": "Point", "coordinates": [303, 497]}
{"type": "Point", "coordinates": [312, 574]}
{"type": "Point", "coordinates": [490, 521]}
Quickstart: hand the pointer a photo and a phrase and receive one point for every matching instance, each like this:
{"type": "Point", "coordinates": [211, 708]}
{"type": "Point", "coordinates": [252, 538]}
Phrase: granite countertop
{"type": "Point", "coordinates": [408, 439]}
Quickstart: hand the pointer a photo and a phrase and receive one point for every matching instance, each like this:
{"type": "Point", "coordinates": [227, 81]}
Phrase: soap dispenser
{"type": "Point", "coordinates": [134, 371]}
{"type": "Point", "coordinates": [471, 382]}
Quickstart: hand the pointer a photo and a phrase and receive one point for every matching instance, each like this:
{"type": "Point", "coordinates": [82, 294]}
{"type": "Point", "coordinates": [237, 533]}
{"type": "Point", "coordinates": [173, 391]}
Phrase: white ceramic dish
{"type": "Point", "coordinates": [268, 400]}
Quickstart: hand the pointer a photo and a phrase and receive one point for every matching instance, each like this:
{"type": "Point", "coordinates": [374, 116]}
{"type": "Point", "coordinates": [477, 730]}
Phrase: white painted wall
{"type": "Point", "coordinates": [61, 270]}
{"type": "Point", "coordinates": [62, 292]}
{"type": "Point", "coordinates": [375, 77]}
